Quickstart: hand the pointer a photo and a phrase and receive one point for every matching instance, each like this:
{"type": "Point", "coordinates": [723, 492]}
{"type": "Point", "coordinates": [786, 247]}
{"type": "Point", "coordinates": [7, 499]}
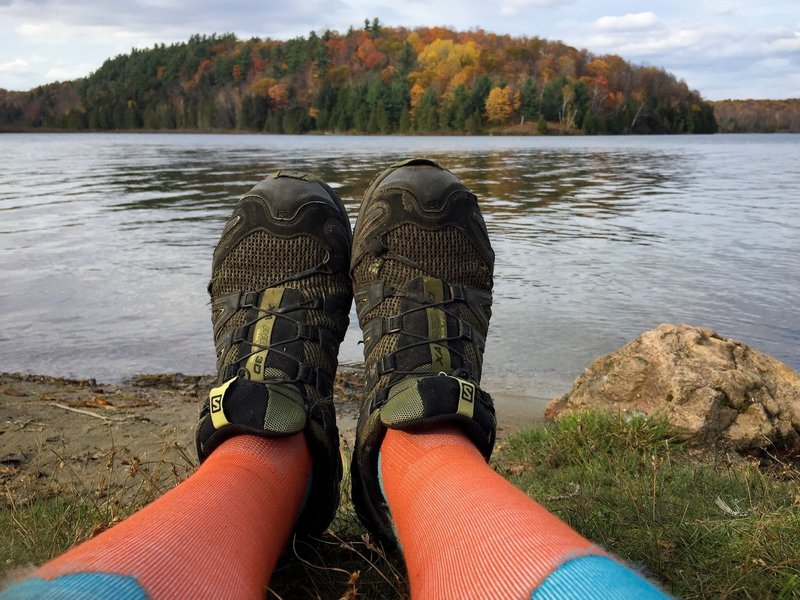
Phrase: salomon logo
{"type": "Point", "coordinates": [467, 393]}
{"type": "Point", "coordinates": [466, 398]}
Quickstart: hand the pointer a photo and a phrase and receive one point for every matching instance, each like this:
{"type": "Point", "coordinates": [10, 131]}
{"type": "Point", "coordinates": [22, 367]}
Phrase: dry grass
{"type": "Point", "coordinates": [43, 519]}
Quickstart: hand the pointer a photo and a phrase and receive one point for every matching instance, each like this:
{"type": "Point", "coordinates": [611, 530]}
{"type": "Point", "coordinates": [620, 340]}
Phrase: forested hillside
{"type": "Point", "coordinates": [768, 116]}
{"type": "Point", "coordinates": [373, 79]}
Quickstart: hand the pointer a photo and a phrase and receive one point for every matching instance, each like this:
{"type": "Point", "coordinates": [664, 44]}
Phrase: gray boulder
{"type": "Point", "coordinates": [712, 390]}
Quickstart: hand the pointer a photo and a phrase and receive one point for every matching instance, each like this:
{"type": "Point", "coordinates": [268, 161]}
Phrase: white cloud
{"type": "Point", "coordinates": [646, 44]}
{"type": "Point", "coordinates": [269, 17]}
{"type": "Point", "coordinates": [774, 64]}
{"type": "Point", "coordinates": [788, 43]}
{"type": "Point", "coordinates": [57, 32]}
{"type": "Point", "coordinates": [629, 22]}
{"type": "Point", "coordinates": [510, 8]}
{"type": "Point", "coordinates": [18, 65]}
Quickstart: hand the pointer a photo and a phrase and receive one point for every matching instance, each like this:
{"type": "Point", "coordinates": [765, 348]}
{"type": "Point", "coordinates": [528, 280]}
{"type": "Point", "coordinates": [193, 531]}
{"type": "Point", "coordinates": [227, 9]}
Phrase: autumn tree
{"type": "Point", "coordinates": [498, 106]}
{"type": "Point", "coordinates": [443, 61]}
{"type": "Point", "coordinates": [278, 96]}
{"type": "Point", "coordinates": [377, 79]}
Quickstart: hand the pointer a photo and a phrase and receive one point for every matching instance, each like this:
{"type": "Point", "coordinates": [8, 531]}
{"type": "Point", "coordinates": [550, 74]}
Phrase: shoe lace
{"type": "Point", "coordinates": [278, 347]}
{"type": "Point", "coordinates": [449, 307]}
{"type": "Point", "coordinates": [284, 312]}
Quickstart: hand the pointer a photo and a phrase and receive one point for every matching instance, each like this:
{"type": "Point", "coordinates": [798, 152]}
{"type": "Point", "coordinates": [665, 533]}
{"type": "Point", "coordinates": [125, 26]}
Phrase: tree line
{"type": "Point", "coordinates": [373, 79]}
{"type": "Point", "coordinates": [758, 116]}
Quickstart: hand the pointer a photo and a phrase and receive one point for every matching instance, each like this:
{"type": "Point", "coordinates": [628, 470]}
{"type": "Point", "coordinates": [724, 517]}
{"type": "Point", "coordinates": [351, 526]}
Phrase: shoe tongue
{"type": "Point", "coordinates": [276, 408]}
{"type": "Point", "coordinates": [428, 287]}
{"type": "Point", "coordinates": [423, 397]}
{"type": "Point", "coordinates": [273, 375]}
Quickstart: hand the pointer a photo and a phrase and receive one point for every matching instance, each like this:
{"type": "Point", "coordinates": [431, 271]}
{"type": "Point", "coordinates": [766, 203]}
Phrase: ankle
{"type": "Point", "coordinates": [260, 448]}
{"type": "Point", "coordinates": [430, 439]}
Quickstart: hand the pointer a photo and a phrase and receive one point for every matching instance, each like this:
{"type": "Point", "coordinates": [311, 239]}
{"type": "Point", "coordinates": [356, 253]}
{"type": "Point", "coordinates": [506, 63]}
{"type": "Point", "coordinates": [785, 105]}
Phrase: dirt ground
{"type": "Point", "coordinates": [80, 436]}
{"type": "Point", "coordinates": [63, 434]}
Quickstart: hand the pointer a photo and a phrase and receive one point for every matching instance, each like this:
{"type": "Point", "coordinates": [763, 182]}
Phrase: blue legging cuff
{"type": "Point", "coordinates": [595, 577]}
{"type": "Point", "coordinates": [76, 586]}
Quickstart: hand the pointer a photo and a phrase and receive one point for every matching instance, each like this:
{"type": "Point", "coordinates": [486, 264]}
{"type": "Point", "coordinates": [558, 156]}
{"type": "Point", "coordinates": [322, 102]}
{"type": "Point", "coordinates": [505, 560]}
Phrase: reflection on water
{"type": "Point", "coordinates": [106, 242]}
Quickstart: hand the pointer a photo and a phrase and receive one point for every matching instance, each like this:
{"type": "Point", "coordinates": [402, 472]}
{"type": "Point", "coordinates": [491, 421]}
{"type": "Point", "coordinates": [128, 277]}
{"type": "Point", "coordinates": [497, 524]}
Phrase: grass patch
{"type": "Point", "coordinates": [342, 563]}
{"type": "Point", "coordinates": [41, 519]}
{"type": "Point", "coordinates": [37, 531]}
{"type": "Point", "coordinates": [703, 526]}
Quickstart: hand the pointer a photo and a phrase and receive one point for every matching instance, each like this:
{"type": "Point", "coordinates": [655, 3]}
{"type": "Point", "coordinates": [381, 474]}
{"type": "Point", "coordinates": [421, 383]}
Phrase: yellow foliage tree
{"type": "Point", "coordinates": [416, 43]}
{"type": "Point", "coordinates": [416, 94]}
{"type": "Point", "coordinates": [441, 60]}
{"type": "Point", "coordinates": [499, 106]}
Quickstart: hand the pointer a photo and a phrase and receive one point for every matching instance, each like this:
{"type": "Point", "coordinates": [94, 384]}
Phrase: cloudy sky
{"type": "Point", "coordinates": [723, 48]}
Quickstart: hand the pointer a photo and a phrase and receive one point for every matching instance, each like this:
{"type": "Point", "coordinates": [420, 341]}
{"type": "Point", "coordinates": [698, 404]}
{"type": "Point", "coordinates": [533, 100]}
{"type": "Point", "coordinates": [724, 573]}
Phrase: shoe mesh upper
{"type": "Point", "coordinates": [280, 419]}
{"type": "Point", "coordinates": [418, 233]}
{"type": "Point", "coordinates": [445, 253]}
{"type": "Point", "coordinates": [245, 269]}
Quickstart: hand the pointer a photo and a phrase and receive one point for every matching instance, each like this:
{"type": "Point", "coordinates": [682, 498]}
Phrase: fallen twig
{"type": "Point", "coordinates": [81, 411]}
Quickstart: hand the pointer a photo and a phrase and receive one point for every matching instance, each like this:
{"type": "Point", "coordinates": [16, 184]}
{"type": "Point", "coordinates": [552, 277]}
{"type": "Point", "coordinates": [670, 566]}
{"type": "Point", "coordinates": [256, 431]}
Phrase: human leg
{"type": "Point", "coordinates": [466, 532]}
{"type": "Point", "coordinates": [267, 436]}
{"type": "Point", "coordinates": [422, 271]}
{"type": "Point", "coordinates": [218, 534]}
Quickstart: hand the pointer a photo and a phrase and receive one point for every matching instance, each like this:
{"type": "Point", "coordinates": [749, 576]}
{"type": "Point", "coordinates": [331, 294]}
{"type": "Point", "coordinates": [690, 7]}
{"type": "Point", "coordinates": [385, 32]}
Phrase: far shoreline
{"type": "Point", "coordinates": [509, 132]}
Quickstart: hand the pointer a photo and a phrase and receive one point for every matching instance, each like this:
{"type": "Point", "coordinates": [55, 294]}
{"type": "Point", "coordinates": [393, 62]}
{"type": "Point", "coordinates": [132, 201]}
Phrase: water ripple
{"type": "Point", "coordinates": [105, 241]}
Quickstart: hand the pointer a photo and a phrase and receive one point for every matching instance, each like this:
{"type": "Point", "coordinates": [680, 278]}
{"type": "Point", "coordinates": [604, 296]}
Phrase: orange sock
{"type": "Point", "coordinates": [465, 531]}
{"type": "Point", "coordinates": [217, 535]}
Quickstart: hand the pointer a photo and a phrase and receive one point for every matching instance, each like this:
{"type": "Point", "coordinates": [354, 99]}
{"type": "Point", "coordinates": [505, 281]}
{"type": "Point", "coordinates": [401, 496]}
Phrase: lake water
{"type": "Point", "coordinates": [106, 242]}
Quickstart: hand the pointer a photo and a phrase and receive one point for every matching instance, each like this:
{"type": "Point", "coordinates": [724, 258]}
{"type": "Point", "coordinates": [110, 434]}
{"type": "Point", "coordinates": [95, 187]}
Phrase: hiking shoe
{"type": "Point", "coordinates": [280, 303]}
{"type": "Point", "coordinates": [422, 275]}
